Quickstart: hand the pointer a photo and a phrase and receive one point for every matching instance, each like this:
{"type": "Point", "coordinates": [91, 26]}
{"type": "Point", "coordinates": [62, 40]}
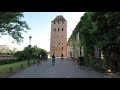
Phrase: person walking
{"type": "Point", "coordinates": [62, 56]}
{"type": "Point", "coordinates": [53, 59]}
{"type": "Point", "coordinates": [39, 59]}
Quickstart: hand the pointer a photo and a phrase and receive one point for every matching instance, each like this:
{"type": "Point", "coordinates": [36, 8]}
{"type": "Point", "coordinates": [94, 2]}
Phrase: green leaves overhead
{"type": "Point", "coordinates": [12, 25]}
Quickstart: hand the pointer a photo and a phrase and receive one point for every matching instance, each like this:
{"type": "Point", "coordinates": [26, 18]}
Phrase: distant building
{"type": "Point", "coordinates": [75, 49]}
{"type": "Point", "coordinates": [5, 52]}
{"type": "Point", "coordinates": [7, 48]}
{"type": "Point", "coordinates": [58, 41]}
{"type": "Point", "coordinates": [3, 47]}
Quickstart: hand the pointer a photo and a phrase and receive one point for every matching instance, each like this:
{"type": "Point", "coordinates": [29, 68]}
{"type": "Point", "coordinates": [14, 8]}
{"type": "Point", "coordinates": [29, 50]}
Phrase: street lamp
{"type": "Point", "coordinates": [30, 39]}
{"type": "Point", "coordinates": [29, 47]}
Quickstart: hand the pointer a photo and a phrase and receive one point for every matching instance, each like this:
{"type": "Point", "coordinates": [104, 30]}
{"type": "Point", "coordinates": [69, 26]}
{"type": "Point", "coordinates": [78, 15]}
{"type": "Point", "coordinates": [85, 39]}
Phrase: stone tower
{"type": "Point", "coordinates": [58, 41]}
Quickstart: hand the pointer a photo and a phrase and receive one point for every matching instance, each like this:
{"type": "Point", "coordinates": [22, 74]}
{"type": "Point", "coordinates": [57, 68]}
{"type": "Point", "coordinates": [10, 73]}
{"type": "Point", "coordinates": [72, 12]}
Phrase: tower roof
{"type": "Point", "coordinates": [59, 18]}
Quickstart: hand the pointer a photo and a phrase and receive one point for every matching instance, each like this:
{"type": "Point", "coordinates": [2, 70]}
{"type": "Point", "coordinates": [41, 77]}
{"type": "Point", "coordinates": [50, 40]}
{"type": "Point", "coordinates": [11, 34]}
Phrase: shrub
{"type": "Point", "coordinates": [8, 61]}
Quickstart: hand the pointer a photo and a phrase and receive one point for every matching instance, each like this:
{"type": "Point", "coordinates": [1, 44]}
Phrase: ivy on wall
{"type": "Point", "coordinates": [101, 29]}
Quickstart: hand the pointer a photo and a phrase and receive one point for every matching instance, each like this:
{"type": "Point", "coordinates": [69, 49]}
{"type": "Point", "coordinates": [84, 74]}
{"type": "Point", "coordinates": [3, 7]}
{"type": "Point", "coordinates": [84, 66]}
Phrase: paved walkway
{"type": "Point", "coordinates": [62, 69]}
{"type": "Point", "coordinates": [114, 75]}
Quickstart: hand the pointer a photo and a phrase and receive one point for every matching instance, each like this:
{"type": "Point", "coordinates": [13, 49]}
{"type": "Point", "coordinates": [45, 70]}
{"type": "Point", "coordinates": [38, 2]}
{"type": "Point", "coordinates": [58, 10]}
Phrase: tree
{"type": "Point", "coordinates": [44, 53]}
{"type": "Point", "coordinates": [101, 29]}
{"type": "Point", "coordinates": [33, 52]}
{"type": "Point", "coordinates": [38, 51]}
{"type": "Point", "coordinates": [86, 37]}
{"type": "Point", "coordinates": [107, 33]}
{"type": "Point", "coordinates": [12, 25]}
{"type": "Point", "coordinates": [20, 55]}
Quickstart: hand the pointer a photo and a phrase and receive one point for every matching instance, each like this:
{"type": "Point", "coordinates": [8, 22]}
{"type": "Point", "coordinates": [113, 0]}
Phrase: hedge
{"type": "Point", "coordinates": [8, 61]}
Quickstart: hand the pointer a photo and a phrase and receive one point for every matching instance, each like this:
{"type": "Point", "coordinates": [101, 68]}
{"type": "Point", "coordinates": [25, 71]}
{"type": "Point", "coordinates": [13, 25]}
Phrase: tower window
{"type": "Point", "coordinates": [62, 29]}
{"type": "Point", "coordinates": [54, 29]}
{"type": "Point", "coordinates": [62, 43]}
{"type": "Point", "coordinates": [57, 36]}
{"type": "Point", "coordinates": [62, 36]}
{"type": "Point", "coordinates": [54, 22]}
{"type": "Point", "coordinates": [62, 47]}
{"type": "Point", "coordinates": [58, 29]}
{"type": "Point", "coordinates": [62, 22]}
{"type": "Point", "coordinates": [54, 37]}
{"type": "Point", "coordinates": [58, 22]}
{"type": "Point", "coordinates": [59, 43]}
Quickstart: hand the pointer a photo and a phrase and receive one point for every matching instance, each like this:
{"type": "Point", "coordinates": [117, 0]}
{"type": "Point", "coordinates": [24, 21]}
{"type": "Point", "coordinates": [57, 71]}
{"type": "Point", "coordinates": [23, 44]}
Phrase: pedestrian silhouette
{"type": "Point", "coordinates": [40, 58]}
{"type": "Point", "coordinates": [62, 56]}
{"type": "Point", "coordinates": [53, 59]}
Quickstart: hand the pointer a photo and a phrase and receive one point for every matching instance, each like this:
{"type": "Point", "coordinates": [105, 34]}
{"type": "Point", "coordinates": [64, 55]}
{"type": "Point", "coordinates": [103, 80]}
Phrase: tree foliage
{"type": "Point", "coordinates": [101, 29]}
{"type": "Point", "coordinates": [12, 25]}
{"type": "Point", "coordinates": [33, 52]}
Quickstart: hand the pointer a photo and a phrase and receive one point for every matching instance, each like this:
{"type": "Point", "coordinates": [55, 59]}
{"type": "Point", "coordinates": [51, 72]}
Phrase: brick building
{"type": "Point", "coordinates": [58, 40]}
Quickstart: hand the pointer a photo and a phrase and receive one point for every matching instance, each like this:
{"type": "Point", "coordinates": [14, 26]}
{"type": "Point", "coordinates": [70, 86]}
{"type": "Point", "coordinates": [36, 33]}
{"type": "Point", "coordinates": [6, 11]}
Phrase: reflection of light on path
{"type": "Point", "coordinates": [48, 56]}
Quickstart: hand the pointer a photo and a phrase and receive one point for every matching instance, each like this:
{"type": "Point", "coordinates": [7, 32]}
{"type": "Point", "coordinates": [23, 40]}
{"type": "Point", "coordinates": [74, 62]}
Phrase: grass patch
{"type": "Point", "coordinates": [8, 69]}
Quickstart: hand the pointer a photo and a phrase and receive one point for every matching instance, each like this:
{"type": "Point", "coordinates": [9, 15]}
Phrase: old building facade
{"type": "Point", "coordinates": [58, 40]}
{"type": "Point", "coordinates": [74, 49]}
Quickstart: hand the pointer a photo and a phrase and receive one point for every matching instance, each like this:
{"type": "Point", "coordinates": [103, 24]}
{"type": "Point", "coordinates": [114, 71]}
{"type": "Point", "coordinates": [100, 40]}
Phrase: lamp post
{"type": "Point", "coordinates": [29, 47]}
{"type": "Point", "coordinates": [30, 40]}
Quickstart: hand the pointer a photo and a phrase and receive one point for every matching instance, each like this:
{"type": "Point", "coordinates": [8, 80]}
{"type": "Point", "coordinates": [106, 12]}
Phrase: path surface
{"type": "Point", "coordinates": [62, 69]}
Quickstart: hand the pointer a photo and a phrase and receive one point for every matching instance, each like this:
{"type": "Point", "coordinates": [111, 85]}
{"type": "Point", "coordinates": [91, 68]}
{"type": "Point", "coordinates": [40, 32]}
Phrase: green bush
{"type": "Point", "coordinates": [8, 61]}
{"type": "Point", "coordinates": [100, 66]}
